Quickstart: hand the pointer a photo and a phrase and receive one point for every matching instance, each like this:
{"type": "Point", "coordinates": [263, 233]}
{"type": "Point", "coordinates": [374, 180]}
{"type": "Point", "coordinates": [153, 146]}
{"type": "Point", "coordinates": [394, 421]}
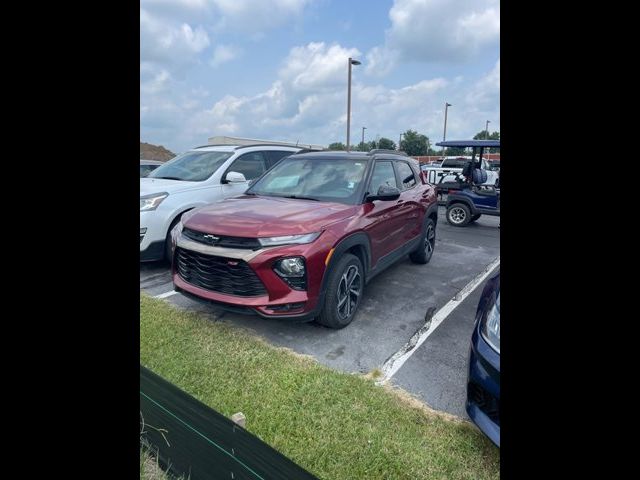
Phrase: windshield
{"type": "Point", "coordinates": [324, 179]}
{"type": "Point", "coordinates": [191, 166]}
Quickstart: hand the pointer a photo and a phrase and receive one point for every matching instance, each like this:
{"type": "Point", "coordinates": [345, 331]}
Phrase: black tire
{"type": "Point", "coordinates": [167, 240]}
{"type": "Point", "coordinates": [458, 214]}
{"type": "Point", "coordinates": [332, 314]}
{"type": "Point", "coordinates": [424, 252]}
{"type": "Point", "coordinates": [475, 217]}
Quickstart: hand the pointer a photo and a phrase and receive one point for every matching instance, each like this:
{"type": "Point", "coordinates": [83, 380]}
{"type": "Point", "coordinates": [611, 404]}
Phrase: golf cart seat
{"type": "Point", "coordinates": [479, 176]}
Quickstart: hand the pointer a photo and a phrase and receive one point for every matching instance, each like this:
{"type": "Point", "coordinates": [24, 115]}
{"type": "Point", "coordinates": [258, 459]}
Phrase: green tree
{"type": "Point", "coordinates": [455, 151]}
{"type": "Point", "coordinates": [386, 144]}
{"type": "Point", "coordinates": [482, 135]}
{"type": "Point", "coordinates": [337, 146]}
{"type": "Point", "coordinates": [414, 143]}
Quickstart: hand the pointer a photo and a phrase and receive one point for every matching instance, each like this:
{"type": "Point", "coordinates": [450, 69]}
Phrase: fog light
{"type": "Point", "coordinates": [293, 271]}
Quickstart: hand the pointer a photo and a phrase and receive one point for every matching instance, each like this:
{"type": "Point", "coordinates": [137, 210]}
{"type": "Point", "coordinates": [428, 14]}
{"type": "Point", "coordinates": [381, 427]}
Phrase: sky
{"type": "Point", "coordinates": [278, 69]}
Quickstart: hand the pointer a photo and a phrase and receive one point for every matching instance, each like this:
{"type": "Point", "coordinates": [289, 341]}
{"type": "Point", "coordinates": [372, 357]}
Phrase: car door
{"type": "Point", "coordinates": [384, 226]}
{"type": "Point", "coordinates": [408, 205]}
{"type": "Point", "coordinates": [251, 165]}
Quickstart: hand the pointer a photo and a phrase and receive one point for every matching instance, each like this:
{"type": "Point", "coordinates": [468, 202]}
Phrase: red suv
{"type": "Point", "coordinates": [305, 238]}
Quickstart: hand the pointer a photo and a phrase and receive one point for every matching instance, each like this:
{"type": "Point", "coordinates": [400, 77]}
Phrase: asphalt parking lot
{"type": "Point", "coordinates": [393, 309]}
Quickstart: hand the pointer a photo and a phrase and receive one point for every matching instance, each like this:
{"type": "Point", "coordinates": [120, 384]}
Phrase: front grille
{"type": "Point", "coordinates": [222, 240]}
{"type": "Point", "coordinates": [218, 274]}
{"type": "Point", "coordinates": [489, 404]}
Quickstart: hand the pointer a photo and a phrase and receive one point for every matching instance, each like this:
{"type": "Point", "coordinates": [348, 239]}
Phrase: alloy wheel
{"type": "Point", "coordinates": [349, 290]}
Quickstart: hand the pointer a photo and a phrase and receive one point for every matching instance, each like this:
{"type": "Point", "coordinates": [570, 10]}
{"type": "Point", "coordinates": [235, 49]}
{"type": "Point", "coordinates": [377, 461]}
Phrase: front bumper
{"type": "Point", "coordinates": [483, 387]}
{"type": "Point", "coordinates": [152, 236]}
{"type": "Point", "coordinates": [280, 301]}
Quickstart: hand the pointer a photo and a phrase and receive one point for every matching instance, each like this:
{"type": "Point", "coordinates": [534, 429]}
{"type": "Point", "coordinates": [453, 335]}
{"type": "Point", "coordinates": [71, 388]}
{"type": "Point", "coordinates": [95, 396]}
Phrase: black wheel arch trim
{"type": "Point", "coordinates": [432, 209]}
{"type": "Point", "coordinates": [355, 239]}
{"type": "Point", "coordinates": [459, 199]}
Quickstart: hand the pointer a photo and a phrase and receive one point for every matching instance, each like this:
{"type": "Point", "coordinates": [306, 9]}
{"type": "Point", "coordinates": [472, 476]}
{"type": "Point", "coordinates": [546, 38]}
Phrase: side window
{"type": "Point", "coordinates": [251, 165]}
{"type": "Point", "coordinates": [406, 177]}
{"type": "Point", "coordinates": [274, 156]}
{"type": "Point", "coordinates": [382, 175]}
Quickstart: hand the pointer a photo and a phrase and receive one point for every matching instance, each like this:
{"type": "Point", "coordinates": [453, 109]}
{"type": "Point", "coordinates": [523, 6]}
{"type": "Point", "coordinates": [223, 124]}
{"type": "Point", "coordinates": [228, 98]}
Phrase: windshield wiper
{"type": "Point", "coordinates": [169, 178]}
{"type": "Point", "coordinates": [301, 198]}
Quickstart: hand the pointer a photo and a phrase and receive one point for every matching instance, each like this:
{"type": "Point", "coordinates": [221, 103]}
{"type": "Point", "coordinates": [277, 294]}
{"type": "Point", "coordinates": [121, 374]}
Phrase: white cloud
{"type": "Point", "coordinates": [224, 53]}
{"type": "Point", "coordinates": [317, 66]}
{"type": "Point", "coordinates": [170, 44]}
{"type": "Point", "coordinates": [307, 103]}
{"type": "Point", "coordinates": [436, 30]}
{"type": "Point", "coordinates": [486, 92]}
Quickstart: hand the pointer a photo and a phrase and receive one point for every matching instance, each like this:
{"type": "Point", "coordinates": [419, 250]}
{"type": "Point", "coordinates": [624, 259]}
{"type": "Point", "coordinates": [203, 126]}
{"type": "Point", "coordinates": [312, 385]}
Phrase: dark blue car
{"type": "Point", "coordinates": [483, 382]}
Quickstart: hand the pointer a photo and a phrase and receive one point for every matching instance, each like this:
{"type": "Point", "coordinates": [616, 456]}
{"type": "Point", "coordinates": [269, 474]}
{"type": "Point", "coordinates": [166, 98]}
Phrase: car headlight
{"type": "Point", "coordinates": [293, 271]}
{"type": "Point", "coordinates": [151, 202]}
{"type": "Point", "coordinates": [490, 327]}
{"type": "Point", "coordinates": [288, 239]}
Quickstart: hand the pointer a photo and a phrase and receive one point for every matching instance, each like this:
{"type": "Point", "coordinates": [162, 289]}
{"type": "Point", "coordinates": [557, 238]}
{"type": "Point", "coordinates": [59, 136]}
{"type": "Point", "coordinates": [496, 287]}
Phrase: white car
{"type": "Point", "coordinates": [197, 177]}
{"type": "Point", "coordinates": [445, 171]}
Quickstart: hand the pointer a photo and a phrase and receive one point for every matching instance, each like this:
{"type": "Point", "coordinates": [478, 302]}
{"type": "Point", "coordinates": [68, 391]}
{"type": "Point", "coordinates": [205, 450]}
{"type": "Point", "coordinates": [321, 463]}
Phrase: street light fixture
{"type": "Point", "coordinates": [363, 129]}
{"type": "Point", "coordinates": [444, 135]}
{"type": "Point", "coordinates": [351, 62]}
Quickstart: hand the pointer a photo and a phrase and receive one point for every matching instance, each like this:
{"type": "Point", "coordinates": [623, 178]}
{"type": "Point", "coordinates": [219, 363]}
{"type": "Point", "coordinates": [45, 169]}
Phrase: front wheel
{"type": "Point", "coordinates": [345, 286]}
{"type": "Point", "coordinates": [458, 214]}
{"type": "Point", "coordinates": [167, 240]}
{"type": "Point", "coordinates": [424, 251]}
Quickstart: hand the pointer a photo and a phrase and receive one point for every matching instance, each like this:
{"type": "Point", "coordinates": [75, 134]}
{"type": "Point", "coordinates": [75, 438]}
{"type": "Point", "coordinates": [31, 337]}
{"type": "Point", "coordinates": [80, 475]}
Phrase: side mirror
{"type": "Point", "coordinates": [385, 193]}
{"type": "Point", "coordinates": [235, 177]}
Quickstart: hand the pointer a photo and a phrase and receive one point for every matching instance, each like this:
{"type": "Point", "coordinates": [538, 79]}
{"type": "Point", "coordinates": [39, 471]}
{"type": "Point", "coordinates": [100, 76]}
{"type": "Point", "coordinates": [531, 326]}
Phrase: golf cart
{"type": "Point", "coordinates": [468, 196]}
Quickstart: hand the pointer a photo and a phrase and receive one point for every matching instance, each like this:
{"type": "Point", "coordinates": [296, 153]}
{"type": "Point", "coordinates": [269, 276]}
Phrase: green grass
{"type": "Point", "coordinates": [335, 425]}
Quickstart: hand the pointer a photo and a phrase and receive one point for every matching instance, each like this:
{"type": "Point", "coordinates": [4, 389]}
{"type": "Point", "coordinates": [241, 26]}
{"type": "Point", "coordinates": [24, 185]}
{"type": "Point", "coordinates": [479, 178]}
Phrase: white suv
{"type": "Point", "coordinates": [197, 177]}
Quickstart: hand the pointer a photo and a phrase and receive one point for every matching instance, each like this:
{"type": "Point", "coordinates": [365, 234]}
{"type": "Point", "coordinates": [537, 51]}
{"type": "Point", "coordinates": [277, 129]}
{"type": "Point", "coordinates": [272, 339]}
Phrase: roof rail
{"type": "Point", "coordinates": [270, 145]}
{"type": "Point", "coordinates": [382, 150]}
{"type": "Point", "coordinates": [213, 145]}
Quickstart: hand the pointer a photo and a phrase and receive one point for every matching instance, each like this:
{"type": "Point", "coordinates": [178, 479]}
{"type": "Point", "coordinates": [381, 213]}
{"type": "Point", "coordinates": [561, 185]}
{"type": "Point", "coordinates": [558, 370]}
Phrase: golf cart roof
{"type": "Point", "coordinates": [469, 143]}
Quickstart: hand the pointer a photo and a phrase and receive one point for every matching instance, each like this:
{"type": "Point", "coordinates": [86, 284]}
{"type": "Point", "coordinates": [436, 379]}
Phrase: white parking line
{"type": "Point", "coordinates": [166, 294]}
{"type": "Point", "coordinates": [393, 363]}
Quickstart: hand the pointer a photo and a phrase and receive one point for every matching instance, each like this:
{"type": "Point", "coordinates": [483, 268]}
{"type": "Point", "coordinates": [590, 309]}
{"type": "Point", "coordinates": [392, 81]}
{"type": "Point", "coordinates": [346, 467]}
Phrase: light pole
{"type": "Point", "coordinates": [400, 141]}
{"type": "Point", "coordinates": [444, 135]}
{"type": "Point", "coordinates": [486, 136]}
{"type": "Point", "coordinates": [363, 129]}
{"type": "Point", "coordinates": [351, 62]}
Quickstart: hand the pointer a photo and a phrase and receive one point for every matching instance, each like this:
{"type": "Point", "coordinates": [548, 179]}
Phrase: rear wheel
{"type": "Point", "coordinates": [424, 251]}
{"type": "Point", "coordinates": [345, 286]}
{"type": "Point", "coordinates": [458, 214]}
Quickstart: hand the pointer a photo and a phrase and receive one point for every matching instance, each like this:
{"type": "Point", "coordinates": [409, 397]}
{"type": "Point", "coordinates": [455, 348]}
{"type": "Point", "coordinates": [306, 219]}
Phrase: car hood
{"type": "Point", "coordinates": [249, 216]}
{"type": "Point", "coordinates": [157, 185]}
